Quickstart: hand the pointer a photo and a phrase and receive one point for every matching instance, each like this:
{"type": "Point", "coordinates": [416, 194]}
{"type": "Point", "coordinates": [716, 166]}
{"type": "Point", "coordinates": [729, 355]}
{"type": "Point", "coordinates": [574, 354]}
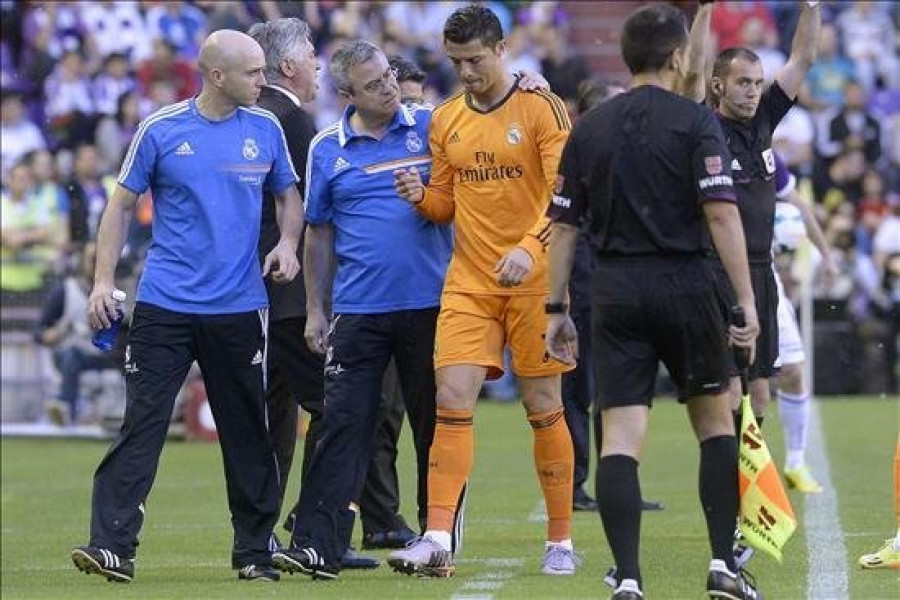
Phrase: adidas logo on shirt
{"type": "Point", "coordinates": [184, 150]}
{"type": "Point", "coordinates": [257, 358]}
{"type": "Point", "coordinates": [453, 138]}
{"type": "Point", "coordinates": [735, 165]}
{"type": "Point", "coordinates": [340, 164]}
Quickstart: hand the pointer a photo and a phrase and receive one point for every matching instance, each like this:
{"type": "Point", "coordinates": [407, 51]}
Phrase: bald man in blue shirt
{"type": "Point", "coordinates": [201, 297]}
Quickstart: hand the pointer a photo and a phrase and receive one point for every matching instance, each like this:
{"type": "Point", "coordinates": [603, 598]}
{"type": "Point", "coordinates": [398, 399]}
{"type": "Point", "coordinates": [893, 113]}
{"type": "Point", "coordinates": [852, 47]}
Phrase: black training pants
{"type": "Point", "coordinates": [161, 347]}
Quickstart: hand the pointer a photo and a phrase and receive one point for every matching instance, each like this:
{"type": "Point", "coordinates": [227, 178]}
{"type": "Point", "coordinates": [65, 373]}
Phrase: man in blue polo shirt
{"type": "Point", "coordinates": [386, 293]}
{"type": "Point", "coordinates": [206, 161]}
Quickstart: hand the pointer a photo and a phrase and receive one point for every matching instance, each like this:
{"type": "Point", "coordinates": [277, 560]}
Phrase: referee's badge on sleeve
{"type": "Point", "coordinates": [769, 158]}
{"type": "Point", "coordinates": [713, 164]}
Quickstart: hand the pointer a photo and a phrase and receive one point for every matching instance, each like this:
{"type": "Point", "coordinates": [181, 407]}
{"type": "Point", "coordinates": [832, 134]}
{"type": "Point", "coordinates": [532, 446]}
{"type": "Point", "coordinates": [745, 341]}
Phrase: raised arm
{"type": "Point", "coordinates": [693, 84]}
{"type": "Point", "coordinates": [804, 48]}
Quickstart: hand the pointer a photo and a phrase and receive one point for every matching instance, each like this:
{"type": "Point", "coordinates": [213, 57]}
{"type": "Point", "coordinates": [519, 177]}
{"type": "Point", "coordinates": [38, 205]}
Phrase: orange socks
{"type": "Point", "coordinates": [554, 460]}
{"type": "Point", "coordinates": [449, 465]}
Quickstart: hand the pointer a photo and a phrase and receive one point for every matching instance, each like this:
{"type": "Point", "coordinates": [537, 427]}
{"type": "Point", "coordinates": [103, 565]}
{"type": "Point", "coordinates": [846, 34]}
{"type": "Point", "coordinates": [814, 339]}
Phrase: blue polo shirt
{"type": "Point", "coordinates": [207, 179]}
{"type": "Point", "coordinates": [389, 257]}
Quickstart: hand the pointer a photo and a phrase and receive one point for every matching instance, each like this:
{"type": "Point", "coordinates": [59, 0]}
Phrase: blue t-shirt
{"type": "Point", "coordinates": [389, 257]}
{"type": "Point", "coordinates": [207, 179]}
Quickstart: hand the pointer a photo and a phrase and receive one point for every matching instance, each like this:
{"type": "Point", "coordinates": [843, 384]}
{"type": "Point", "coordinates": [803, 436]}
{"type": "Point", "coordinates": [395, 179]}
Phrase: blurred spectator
{"type": "Point", "coordinates": [764, 41]}
{"type": "Point", "coordinates": [563, 69]}
{"type": "Point", "coordinates": [887, 237]}
{"type": "Point", "coordinates": [116, 27]}
{"type": "Point", "coordinates": [64, 327]}
{"type": "Point", "coordinates": [520, 52]}
{"type": "Point", "coordinates": [225, 15]}
{"type": "Point", "coordinates": [794, 140]}
{"type": "Point", "coordinates": [870, 41]}
{"type": "Point", "coordinates": [56, 24]}
{"type": "Point", "coordinates": [18, 135]}
{"type": "Point", "coordinates": [851, 127]}
{"type": "Point", "coordinates": [871, 210]}
{"type": "Point", "coordinates": [841, 181]}
{"type": "Point", "coordinates": [417, 25]}
{"type": "Point", "coordinates": [858, 279]}
{"type": "Point", "coordinates": [830, 74]}
{"type": "Point", "coordinates": [114, 132]}
{"type": "Point", "coordinates": [29, 231]}
{"type": "Point", "coordinates": [89, 190]}
{"type": "Point", "coordinates": [181, 25]}
{"type": "Point", "coordinates": [113, 81]}
{"type": "Point", "coordinates": [69, 107]}
{"type": "Point", "coordinates": [47, 187]}
{"type": "Point", "coordinates": [728, 19]}
{"type": "Point", "coordinates": [165, 65]}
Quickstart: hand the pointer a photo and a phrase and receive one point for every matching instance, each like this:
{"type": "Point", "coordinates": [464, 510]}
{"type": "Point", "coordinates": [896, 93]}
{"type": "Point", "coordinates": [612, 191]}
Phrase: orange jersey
{"type": "Point", "coordinates": [493, 173]}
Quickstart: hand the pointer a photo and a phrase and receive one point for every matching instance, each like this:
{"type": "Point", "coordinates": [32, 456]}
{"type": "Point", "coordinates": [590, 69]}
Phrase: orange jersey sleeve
{"type": "Point", "coordinates": [496, 169]}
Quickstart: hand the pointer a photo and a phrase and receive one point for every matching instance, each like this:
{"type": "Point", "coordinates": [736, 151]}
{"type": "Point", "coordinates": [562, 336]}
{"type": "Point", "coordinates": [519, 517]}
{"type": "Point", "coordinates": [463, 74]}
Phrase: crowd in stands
{"type": "Point", "coordinates": [78, 76]}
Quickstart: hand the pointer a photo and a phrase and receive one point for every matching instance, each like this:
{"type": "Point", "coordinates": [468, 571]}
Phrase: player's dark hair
{"type": "Point", "coordinates": [473, 22]}
{"type": "Point", "coordinates": [650, 35]}
{"type": "Point", "coordinates": [722, 64]}
{"type": "Point", "coordinates": [407, 70]}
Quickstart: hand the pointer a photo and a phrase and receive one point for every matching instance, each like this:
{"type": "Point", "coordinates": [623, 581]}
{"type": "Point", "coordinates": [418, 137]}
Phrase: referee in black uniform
{"type": "Point", "coordinates": [650, 170]}
{"type": "Point", "coordinates": [749, 114]}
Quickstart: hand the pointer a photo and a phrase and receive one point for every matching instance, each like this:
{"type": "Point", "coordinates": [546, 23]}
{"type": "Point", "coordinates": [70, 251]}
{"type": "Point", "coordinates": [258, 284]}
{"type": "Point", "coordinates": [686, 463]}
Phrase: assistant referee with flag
{"type": "Point", "coordinates": [650, 169]}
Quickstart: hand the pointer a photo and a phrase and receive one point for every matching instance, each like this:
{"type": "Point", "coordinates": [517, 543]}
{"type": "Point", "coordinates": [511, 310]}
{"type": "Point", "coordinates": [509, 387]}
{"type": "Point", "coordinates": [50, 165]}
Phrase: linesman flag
{"type": "Point", "coordinates": [766, 518]}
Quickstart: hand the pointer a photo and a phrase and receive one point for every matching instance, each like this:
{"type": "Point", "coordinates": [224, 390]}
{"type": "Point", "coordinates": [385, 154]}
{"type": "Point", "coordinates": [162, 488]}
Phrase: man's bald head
{"type": "Point", "coordinates": [227, 48]}
{"type": "Point", "coordinates": [232, 64]}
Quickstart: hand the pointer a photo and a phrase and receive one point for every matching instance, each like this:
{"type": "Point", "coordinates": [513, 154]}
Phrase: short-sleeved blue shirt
{"type": "Point", "coordinates": [389, 257]}
{"type": "Point", "coordinates": [206, 178]}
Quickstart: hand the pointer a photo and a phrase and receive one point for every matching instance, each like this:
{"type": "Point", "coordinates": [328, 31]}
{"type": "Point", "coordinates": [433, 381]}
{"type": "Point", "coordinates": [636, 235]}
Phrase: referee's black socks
{"type": "Point", "coordinates": [719, 494]}
{"type": "Point", "coordinates": [619, 497]}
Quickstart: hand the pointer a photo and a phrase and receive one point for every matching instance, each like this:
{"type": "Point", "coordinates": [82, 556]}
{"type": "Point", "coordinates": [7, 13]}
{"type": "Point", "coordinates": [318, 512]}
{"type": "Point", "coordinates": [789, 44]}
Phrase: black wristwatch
{"type": "Point", "coordinates": [556, 308]}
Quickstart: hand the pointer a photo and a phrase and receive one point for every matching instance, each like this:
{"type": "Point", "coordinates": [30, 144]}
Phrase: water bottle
{"type": "Point", "coordinates": [105, 339]}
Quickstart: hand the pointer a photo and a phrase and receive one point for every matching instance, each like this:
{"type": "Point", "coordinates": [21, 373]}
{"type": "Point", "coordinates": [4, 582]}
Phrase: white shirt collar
{"type": "Point", "coordinates": [286, 92]}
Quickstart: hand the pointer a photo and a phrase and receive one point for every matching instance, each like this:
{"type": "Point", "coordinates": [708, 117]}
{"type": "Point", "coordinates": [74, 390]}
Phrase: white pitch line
{"type": "Point", "coordinates": [539, 513]}
{"type": "Point", "coordinates": [827, 575]}
{"type": "Point", "coordinates": [479, 587]}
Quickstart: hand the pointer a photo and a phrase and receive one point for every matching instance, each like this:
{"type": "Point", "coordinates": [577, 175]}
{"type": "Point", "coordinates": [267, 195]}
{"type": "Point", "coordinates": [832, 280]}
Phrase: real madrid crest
{"type": "Point", "coordinates": [514, 134]}
{"type": "Point", "coordinates": [413, 141]}
{"type": "Point", "coordinates": [251, 150]}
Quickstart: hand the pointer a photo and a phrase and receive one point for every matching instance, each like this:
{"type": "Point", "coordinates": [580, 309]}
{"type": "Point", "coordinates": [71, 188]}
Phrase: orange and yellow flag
{"type": "Point", "coordinates": [766, 518]}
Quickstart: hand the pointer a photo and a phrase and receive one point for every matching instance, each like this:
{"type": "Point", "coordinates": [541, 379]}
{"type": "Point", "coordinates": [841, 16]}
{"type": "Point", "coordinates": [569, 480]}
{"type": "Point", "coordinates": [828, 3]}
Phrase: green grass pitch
{"type": "Point", "coordinates": [184, 551]}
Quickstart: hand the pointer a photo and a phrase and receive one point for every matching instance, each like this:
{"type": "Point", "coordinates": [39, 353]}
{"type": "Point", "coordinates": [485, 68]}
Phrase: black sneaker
{"type": "Point", "coordinates": [354, 560]}
{"type": "Point", "coordinates": [651, 505]}
{"type": "Point", "coordinates": [256, 573]}
{"type": "Point", "coordinates": [388, 540]}
{"type": "Point", "coordinates": [103, 562]}
{"type": "Point", "coordinates": [582, 502]}
{"type": "Point", "coordinates": [304, 560]}
{"type": "Point", "coordinates": [722, 583]}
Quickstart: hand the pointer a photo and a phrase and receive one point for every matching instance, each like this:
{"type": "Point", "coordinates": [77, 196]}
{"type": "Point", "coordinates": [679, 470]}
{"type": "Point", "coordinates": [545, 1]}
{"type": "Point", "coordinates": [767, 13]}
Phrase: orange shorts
{"type": "Point", "coordinates": [473, 330]}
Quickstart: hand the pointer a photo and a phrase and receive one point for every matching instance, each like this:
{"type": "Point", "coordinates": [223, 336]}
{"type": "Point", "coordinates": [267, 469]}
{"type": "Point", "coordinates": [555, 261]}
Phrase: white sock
{"type": "Point", "coordinates": [897, 540]}
{"type": "Point", "coordinates": [566, 543]}
{"type": "Point", "coordinates": [441, 538]}
{"type": "Point", "coordinates": [793, 409]}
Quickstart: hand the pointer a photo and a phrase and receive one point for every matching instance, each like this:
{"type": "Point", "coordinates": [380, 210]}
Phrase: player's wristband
{"type": "Point", "coordinates": [556, 308]}
{"type": "Point", "coordinates": [812, 3]}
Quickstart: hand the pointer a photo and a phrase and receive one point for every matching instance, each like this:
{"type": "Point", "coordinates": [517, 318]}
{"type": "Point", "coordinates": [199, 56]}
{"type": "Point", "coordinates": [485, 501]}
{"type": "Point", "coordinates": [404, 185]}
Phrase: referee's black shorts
{"type": "Point", "coordinates": [762, 278]}
{"type": "Point", "coordinates": [652, 309]}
